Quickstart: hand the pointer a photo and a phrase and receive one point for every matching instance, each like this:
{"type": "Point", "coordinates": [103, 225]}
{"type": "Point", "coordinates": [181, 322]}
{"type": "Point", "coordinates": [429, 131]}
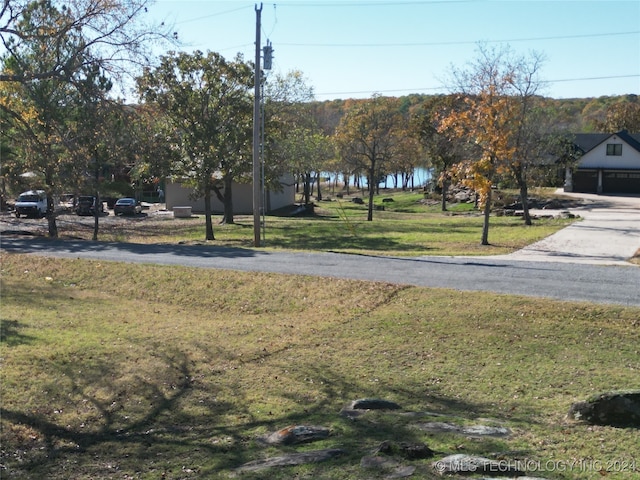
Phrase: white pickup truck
{"type": "Point", "coordinates": [32, 204]}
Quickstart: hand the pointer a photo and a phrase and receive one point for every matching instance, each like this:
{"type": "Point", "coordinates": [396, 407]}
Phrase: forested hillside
{"type": "Point", "coordinates": [577, 115]}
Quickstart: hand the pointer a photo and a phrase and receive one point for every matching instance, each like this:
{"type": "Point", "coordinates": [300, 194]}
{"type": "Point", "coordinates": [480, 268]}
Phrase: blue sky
{"type": "Point", "coordinates": [353, 49]}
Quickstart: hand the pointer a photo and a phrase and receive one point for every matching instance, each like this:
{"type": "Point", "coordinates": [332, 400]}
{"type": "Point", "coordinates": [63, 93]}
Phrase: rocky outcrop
{"type": "Point", "coordinates": [616, 409]}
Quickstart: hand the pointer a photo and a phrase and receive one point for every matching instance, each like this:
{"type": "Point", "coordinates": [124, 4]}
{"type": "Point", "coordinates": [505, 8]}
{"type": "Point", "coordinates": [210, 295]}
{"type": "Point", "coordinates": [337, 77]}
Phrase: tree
{"type": "Point", "coordinates": [208, 101]}
{"type": "Point", "coordinates": [368, 136]}
{"type": "Point", "coordinates": [498, 89]}
{"type": "Point", "coordinates": [114, 37]}
{"type": "Point", "coordinates": [624, 115]}
{"type": "Point", "coordinates": [443, 148]}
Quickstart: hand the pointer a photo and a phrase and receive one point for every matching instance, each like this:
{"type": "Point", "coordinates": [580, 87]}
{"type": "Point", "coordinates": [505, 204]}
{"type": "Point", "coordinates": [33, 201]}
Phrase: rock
{"type": "Point", "coordinates": [470, 431]}
{"type": "Point", "coordinates": [359, 407]}
{"type": "Point", "coordinates": [468, 464]}
{"type": "Point", "coordinates": [374, 404]}
{"type": "Point", "coordinates": [410, 451]}
{"type": "Point", "coordinates": [357, 200]}
{"type": "Point", "coordinates": [389, 465]}
{"type": "Point", "coordinates": [292, 459]}
{"type": "Point", "coordinates": [616, 409]}
{"type": "Point", "coordinates": [296, 434]}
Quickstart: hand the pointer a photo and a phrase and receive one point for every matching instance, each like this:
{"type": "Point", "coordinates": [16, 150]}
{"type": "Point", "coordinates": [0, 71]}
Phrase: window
{"type": "Point", "coordinates": [614, 149]}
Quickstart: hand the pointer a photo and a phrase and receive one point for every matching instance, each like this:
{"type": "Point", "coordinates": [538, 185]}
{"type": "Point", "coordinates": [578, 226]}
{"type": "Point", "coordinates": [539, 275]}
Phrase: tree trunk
{"type": "Point", "coordinates": [207, 214]}
{"type": "Point", "coordinates": [371, 192]}
{"type": "Point", "coordinates": [524, 198]}
{"type": "Point", "coordinates": [485, 223]}
{"type": "Point", "coordinates": [51, 218]}
{"type": "Point", "coordinates": [319, 192]}
{"type": "Point", "coordinates": [96, 216]}
{"type": "Point", "coordinates": [307, 188]}
{"type": "Point", "coordinates": [227, 201]}
{"type": "Point", "coordinates": [445, 188]}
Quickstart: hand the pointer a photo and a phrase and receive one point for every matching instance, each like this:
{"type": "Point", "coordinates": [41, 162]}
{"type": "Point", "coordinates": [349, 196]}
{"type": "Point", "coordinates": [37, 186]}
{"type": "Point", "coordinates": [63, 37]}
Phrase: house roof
{"type": "Point", "coordinates": [588, 141]}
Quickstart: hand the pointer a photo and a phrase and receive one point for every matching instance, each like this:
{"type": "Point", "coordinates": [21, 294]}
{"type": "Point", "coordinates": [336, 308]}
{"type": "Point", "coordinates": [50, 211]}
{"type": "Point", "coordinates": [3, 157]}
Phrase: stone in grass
{"type": "Point", "coordinates": [374, 404]}
{"type": "Point", "coordinates": [292, 459]}
{"type": "Point", "coordinates": [476, 431]}
{"type": "Point", "coordinates": [392, 468]}
{"type": "Point", "coordinates": [468, 464]}
{"type": "Point", "coordinates": [410, 451]}
{"type": "Point", "coordinates": [296, 434]}
{"type": "Point", "coordinates": [363, 405]}
{"type": "Point", "coordinates": [616, 409]}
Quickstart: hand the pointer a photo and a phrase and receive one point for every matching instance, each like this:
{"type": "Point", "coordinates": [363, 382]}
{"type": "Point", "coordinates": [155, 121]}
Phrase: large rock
{"type": "Point", "coordinates": [616, 409]}
{"type": "Point", "coordinates": [296, 434]}
{"type": "Point", "coordinates": [292, 459]}
{"type": "Point", "coordinates": [478, 431]}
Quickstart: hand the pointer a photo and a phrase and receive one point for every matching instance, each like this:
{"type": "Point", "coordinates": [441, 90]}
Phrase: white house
{"type": "Point", "coordinates": [178, 195]}
{"type": "Point", "coordinates": [610, 163]}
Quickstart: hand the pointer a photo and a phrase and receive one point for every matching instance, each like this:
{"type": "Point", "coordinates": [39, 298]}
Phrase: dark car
{"type": "Point", "coordinates": [87, 205]}
{"type": "Point", "coordinates": [127, 206]}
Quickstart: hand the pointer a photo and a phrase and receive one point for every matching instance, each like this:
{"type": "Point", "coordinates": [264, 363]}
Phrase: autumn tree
{"type": "Point", "coordinates": [498, 89]}
{"type": "Point", "coordinates": [624, 115]}
{"type": "Point", "coordinates": [368, 137]}
{"type": "Point", "coordinates": [441, 144]}
{"type": "Point", "coordinates": [208, 101]}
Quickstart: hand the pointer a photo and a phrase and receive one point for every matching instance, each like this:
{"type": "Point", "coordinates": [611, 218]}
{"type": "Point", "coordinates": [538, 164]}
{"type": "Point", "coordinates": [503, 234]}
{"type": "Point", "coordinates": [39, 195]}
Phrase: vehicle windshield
{"type": "Point", "coordinates": [29, 198]}
{"type": "Point", "coordinates": [125, 201]}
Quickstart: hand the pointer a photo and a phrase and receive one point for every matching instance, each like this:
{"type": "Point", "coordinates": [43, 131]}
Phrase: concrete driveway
{"type": "Point", "coordinates": [609, 233]}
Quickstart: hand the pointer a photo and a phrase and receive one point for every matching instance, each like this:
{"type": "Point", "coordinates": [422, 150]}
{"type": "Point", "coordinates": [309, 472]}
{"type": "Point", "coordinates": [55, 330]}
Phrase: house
{"type": "Point", "coordinates": [178, 195]}
{"type": "Point", "coordinates": [610, 163]}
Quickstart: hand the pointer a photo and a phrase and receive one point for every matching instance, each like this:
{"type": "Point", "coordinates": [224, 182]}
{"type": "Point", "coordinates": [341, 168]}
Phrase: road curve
{"type": "Point", "coordinates": [606, 284]}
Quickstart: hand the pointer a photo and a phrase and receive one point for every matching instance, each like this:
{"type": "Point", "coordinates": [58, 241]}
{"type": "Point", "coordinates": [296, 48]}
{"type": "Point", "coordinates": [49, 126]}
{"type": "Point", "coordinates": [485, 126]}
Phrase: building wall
{"type": "Point", "coordinates": [598, 158]}
{"type": "Point", "coordinates": [177, 195]}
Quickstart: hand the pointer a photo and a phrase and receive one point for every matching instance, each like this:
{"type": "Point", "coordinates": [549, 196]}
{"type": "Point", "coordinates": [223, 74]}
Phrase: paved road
{"type": "Point", "coordinates": [564, 281]}
{"type": "Point", "coordinates": [584, 262]}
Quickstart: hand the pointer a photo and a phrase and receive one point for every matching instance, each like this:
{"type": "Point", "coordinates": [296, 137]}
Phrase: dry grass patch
{"type": "Point", "coordinates": [120, 371]}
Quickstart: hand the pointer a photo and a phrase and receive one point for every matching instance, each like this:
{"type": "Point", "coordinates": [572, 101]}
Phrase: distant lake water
{"type": "Point", "coordinates": [421, 177]}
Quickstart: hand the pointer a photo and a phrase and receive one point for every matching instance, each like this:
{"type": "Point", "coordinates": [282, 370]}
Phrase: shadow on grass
{"type": "Point", "coordinates": [176, 420]}
{"type": "Point", "coordinates": [10, 333]}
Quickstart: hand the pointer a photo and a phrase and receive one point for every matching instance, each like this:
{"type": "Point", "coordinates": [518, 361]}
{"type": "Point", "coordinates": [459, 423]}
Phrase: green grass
{"type": "Point", "coordinates": [407, 227]}
{"type": "Point", "coordinates": [117, 371]}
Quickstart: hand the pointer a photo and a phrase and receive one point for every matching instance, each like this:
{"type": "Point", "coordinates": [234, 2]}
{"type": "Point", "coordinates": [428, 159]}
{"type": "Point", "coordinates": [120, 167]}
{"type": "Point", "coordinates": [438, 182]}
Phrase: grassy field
{"type": "Point", "coordinates": [408, 226]}
{"type": "Point", "coordinates": [150, 372]}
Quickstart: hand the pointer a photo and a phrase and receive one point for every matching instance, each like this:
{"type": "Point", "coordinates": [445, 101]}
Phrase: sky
{"type": "Point", "coordinates": [355, 49]}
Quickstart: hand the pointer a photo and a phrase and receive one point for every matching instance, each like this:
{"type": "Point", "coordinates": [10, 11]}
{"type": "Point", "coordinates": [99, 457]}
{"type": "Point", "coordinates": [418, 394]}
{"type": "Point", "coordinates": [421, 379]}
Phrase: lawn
{"type": "Point", "coordinates": [150, 372]}
{"type": "Point", "coordinates": [408, 226]}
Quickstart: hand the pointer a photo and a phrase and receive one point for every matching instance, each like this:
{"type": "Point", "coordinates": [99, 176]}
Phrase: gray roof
{"type": "Point", "coordinates": [588, 141]}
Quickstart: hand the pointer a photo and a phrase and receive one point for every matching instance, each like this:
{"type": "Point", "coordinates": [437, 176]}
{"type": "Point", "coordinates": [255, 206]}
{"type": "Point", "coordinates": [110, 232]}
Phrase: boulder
{"type": "Point", "coordinates": [616, 409]}
{"type": "Point", "coordinates": [296, 434]}
{"type": "Point", "coordinates": [292, 459]}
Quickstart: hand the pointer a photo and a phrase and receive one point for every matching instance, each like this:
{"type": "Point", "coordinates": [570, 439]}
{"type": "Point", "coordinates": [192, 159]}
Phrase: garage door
{"type": "Point", "coordinates": [621, 182]}
{"type": "Point", "coordinates": [585, 181]}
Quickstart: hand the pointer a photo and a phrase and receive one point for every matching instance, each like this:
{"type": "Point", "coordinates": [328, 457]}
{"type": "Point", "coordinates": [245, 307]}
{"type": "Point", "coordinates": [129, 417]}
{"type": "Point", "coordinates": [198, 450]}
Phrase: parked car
{"type": "Point", "coordinates": [32, 204]}
{"type": "Point", "coordinates": [87, 205]}
{"type": "Point", "coordinates": [127, 206]}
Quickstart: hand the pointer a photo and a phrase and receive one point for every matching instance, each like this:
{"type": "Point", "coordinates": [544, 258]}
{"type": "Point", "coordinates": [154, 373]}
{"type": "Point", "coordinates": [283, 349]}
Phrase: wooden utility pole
{"type": "Point", "coordinates": [256, 137]}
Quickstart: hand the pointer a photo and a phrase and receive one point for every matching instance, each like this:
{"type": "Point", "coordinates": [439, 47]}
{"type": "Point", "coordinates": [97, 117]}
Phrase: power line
{"type": "Point", "coordinates": [463, 42]}
{"type": "Point", "coordinates": [415, 90]}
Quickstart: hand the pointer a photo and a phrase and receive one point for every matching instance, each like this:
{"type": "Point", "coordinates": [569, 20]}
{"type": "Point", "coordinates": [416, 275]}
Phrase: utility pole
{"type": "Point", "coordinates": [256, 136]}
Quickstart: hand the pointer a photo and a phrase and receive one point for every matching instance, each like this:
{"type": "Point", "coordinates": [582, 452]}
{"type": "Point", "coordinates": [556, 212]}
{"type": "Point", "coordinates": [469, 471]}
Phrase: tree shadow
{"type": "Point", "coordinates": [10, 333]}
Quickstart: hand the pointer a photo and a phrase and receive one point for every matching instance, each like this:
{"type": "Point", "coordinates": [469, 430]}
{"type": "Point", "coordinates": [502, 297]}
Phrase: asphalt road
{"type": "Point", "coordinates": [607, 284]}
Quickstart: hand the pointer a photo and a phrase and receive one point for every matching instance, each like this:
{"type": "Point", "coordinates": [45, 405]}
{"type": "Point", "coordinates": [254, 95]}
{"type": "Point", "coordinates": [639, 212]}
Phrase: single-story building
{"type": "Point", "coordinates": [610, 163]}
{"type": "Point", "coordinates": [178, 195]}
